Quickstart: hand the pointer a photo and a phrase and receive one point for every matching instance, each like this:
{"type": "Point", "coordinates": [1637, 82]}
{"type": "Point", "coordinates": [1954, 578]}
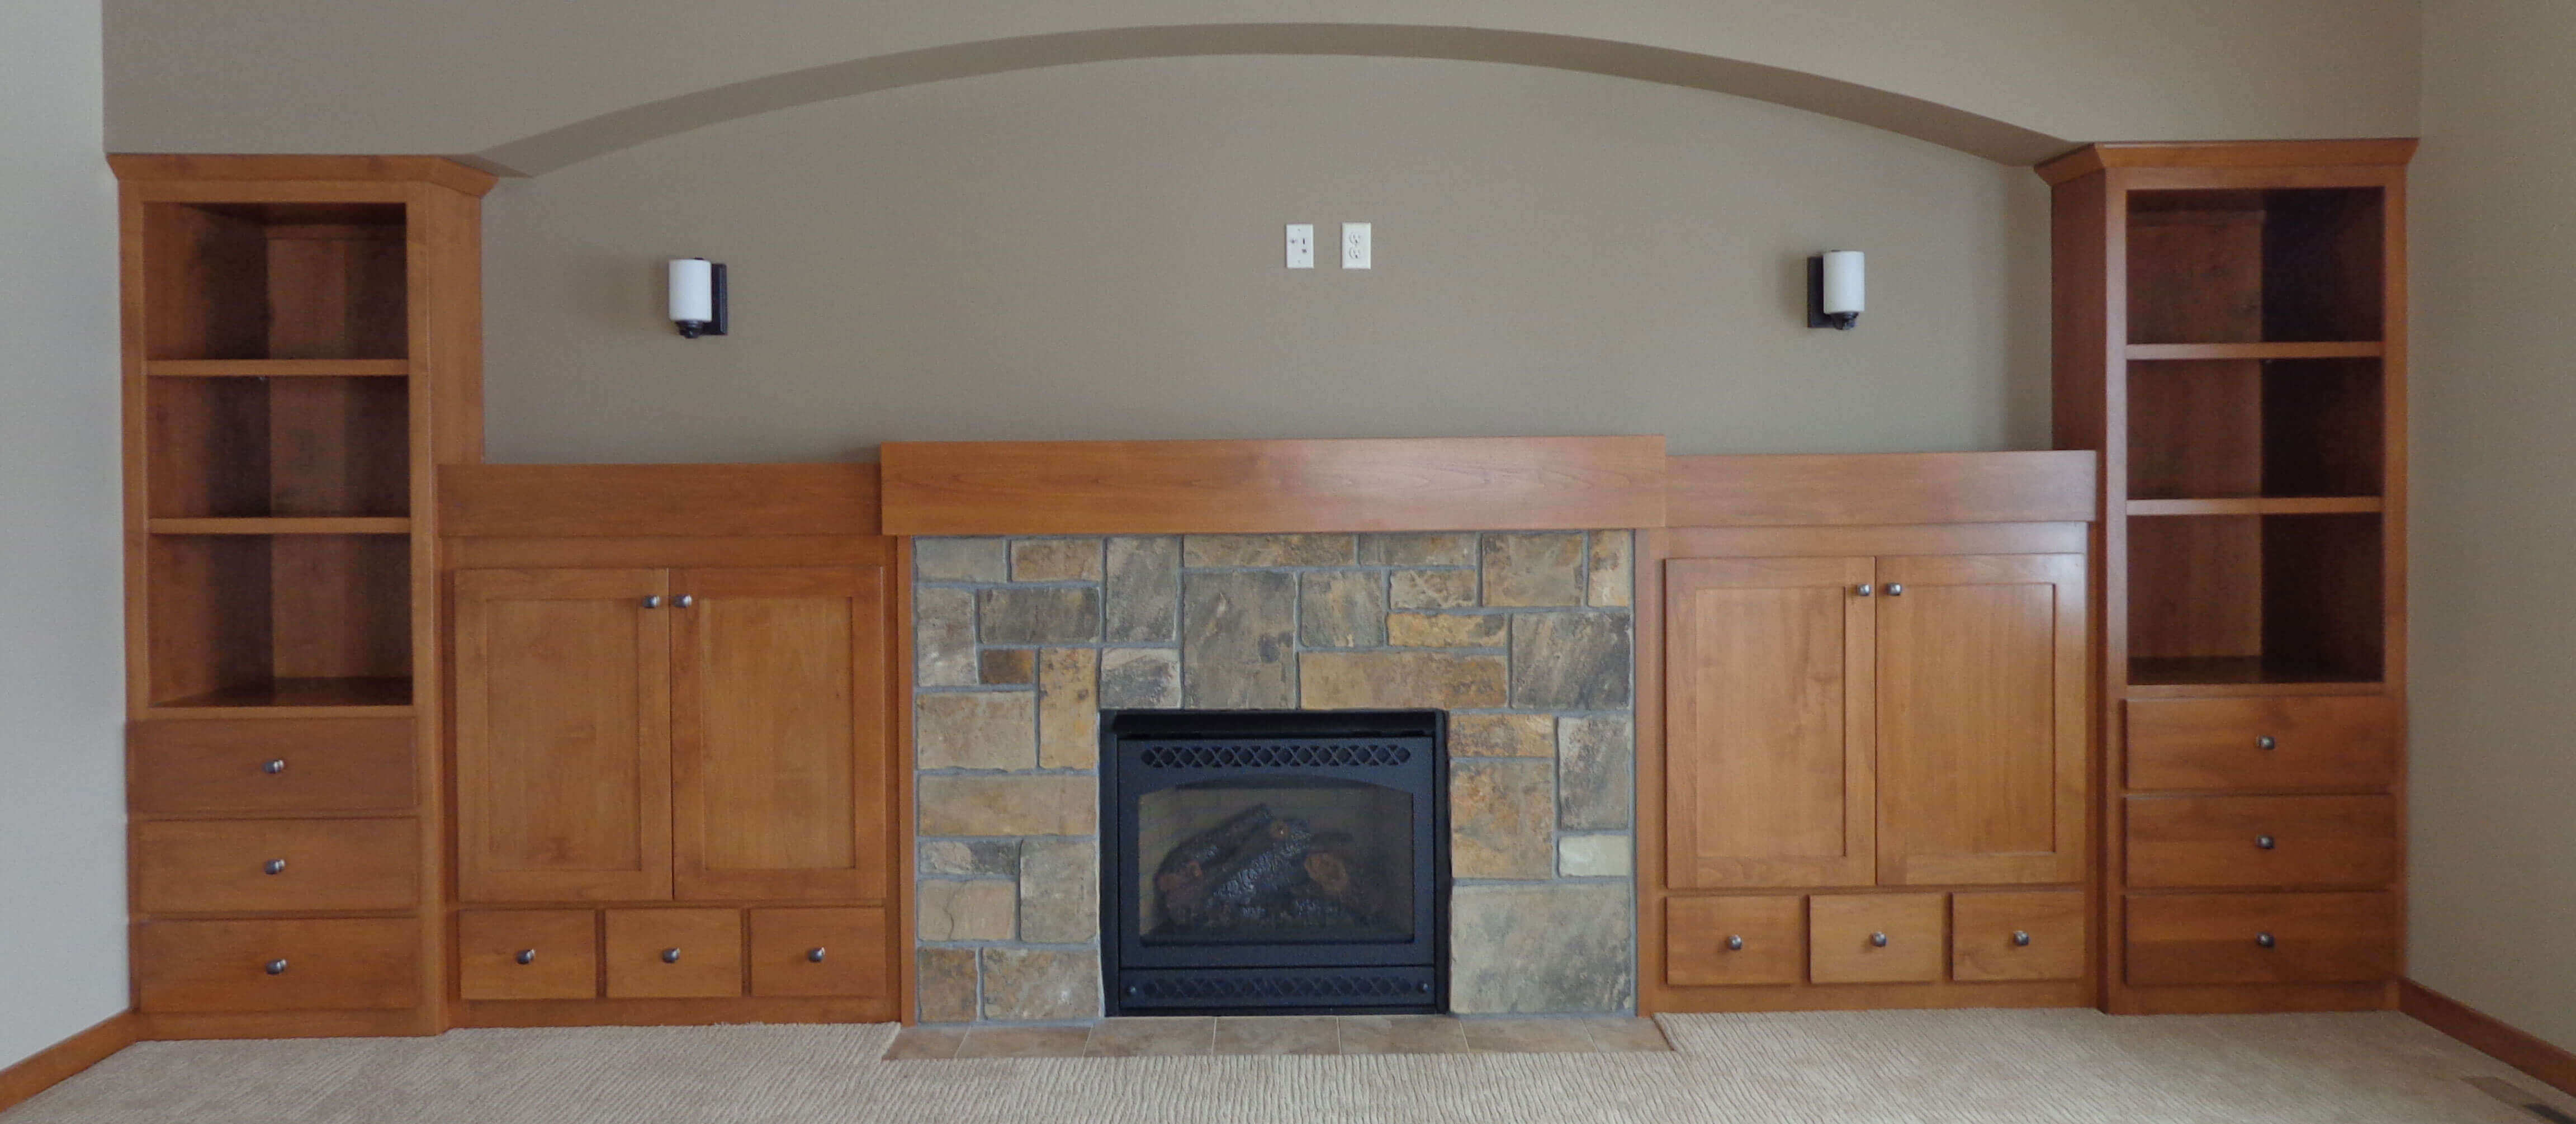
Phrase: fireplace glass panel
{"type": "Point", "coordinates": [1275, 860]}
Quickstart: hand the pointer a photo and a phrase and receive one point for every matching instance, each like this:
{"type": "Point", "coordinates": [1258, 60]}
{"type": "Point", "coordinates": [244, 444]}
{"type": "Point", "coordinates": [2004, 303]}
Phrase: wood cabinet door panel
{"type": "Point", "coordinates": [674, 953]}
{"type": "Point", "coordinates": [1982, 721]}
{"type": "Point", "coordinates": [2291, 742]}
{"type": "Point", "coordinates": [1769, 722]}
{"type": "Point", "coordinates": [778, 734]}
{"type": "Point", "coordinates": [563, 735]}
{"type": "Point", "coordinates": [276, 866]}
{"type": "Point", "coordinates": [1729, 941]}
{"type": "Point", "coordinates": [527, 954]}
{"type": "Point", "coordinates": [2221, 841]}
{"type": "Point", "coordinates": [2017, 935]}
{"type": "Point", "coordinates": [1845, 931]}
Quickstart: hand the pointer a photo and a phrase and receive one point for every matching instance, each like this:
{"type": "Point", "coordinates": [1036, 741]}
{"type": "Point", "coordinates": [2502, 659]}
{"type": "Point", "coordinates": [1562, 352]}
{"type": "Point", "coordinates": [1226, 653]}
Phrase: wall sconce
{"type": "Point", "coordinates": [1834, 285]}
{"type": "Point", "coordinates": [698, 297]}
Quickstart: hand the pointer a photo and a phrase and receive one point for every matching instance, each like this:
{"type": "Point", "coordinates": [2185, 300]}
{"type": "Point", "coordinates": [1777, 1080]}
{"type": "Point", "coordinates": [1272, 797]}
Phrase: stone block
{"type": "Point", "coordinates": [947, 984]}
{"type": "Point", "coordinates": [1432, 589]}
{"type": "Point", "coordinates": [1345, 609]}
{"type": "Point", "coordinates": [1238, 640]}
{"type": "Point", "coordinates": [1447, 630]}
{"type": "Point", "coordinates": [1502, 818]}
{"type": "Point", "coordinates": [1009, 805]}
{"type": "Point", "coordinates": [1595, 773]}
{"type": "Point", "coordinates": [943, 638]}
{"type": "Point", "coordinates": [1039, 615]}
{"type": "Point", "coordinates": [1032, 984]}
{"type": "Point", "coordinates": [1008, 667]}
{"type": "Point", "coordinates": [1570, 661]}
{"type": "Point", "coordinates": [951, 910]}
{"type": "Point", "coordinates": [1446, 548]}
{"type": "Point", "coordinates": [1557, 948]}
{"type": "Point", "coordinates": [961, 560]}
{"type": "Point", "coordinates": [1144, 590]}
{"type": "Point", "coordinates": [1217, 551]}
{"type": "Point", "coordinates": [1613, 572]}
{"type": "Point", "coordinates": [1542, 569]}
{"type": "Point", "coordinates": [977, 730]}
{"type": "Point", "coordinates": [1140, 679]}
{"type": "Point", "coordinates": [1595, 856]}
{"type": "Point", "coordinates": [1059, 891]}
{"type": "Point", "coordinates": [1358, 680]}
{"type": "Point", "coordinates": [1068, 708]}
{"type": "Point", "coordinates": [969, 857]}
{"type": "Point", "coordinates": [1502, 735]}
{"type": "Point", "coordinates": [1055, 560]}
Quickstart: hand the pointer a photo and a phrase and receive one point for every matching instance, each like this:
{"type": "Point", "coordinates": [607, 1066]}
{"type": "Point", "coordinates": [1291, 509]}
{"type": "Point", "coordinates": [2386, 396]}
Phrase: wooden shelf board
{"type": "Point", "coordinates": [2355, 349]}
{"type": "Point", "coordinates": [303, 525]}
{"type": "Point", "coordinates": [2261, 505]}
{"type": "Point", "coordinates": [2200, 675]}
{"type": "Point", "coordinates": [307, 698]}
{"type": "Point", "coordinates": [276, 368]}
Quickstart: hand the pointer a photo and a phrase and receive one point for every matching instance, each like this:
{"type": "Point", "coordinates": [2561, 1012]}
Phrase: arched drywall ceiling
{"type": "Point", "coordinates": [1924, 120]}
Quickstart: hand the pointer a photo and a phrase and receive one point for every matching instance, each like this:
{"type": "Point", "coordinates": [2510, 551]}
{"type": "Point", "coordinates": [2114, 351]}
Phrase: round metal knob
{"type": "Point", "coordinates": [1864, 589]}
{"type": "Point", "coordinates": [526, 956]}
{"type": "Point", "coordinates": [2021, 939]}
{"type": "Point", "coordinates": [2263, 841]}
{"type": "Point", "coordinates": [274, 767]}
{"type": "Point", "coordinates": [2264, 940]}
{"type": "Point", "coordinates": [1134, 990]}
{"type": "Point", "coordinates": [670, 956]}
{"type": "Point", "coordinates": [274, 866]}
{"type": "Point", "coordinates": [1734, 944]}
{"type": "Point", "coordinates": [685, 601]}
{"type": "Point", "coordinates": [277, 967]}
{"type": "Point", "coordinates": [1896, 589]}
{"type": "Point", "coordinates": [653, 602]}
{"type": "Point", "coordinates": [814, 955]}
{"type": "Point", "coordinates": [2267, 741]}
{"type": "Point", "coordinates": [1878, 940]}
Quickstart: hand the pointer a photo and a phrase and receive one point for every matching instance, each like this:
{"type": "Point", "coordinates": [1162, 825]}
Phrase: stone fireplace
{"type": "Point", "coordinates": [1524, 639]}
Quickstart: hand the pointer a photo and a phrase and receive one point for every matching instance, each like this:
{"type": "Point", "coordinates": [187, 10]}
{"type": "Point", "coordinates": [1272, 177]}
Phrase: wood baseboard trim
{"type": "Point", "coordinates": [59, 1062]}
{"type": "Point", "coordinates": [2490, 1035]}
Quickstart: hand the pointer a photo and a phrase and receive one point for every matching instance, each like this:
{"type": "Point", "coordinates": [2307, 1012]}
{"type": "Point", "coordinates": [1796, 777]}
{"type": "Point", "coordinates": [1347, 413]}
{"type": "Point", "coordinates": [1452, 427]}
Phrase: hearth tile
{"type": "Point", "coordinates": [1345, 609]}
{"type": "Point", "coordinates": [1502, 735]}
{"type": "Point", "coordinates": [1151, 1037]}
{"type": "Point", "coordinates": [961, 560]}
{"type": "Point", "coordinates": [1144, 590]}
{"type": "Point", "coordinates": [1217, 551]}
{"type": "Point", "coordinates": [1570, 661]}
{"type": "Point", "coordinates": [925, 1043]}
{"type": "Point", "coordinates": [1542, 948]}
{"type": "Point", "coordinates": [1611, 569]}
{"type": "Point", "coordinates": [1278, 1034]}
{"type": "Point", "coordinates": [1448, 630]}
{"type": "Point", "coordinates": [1528, 1036]}
{"type": "Point", "coordinates": [1523, 570]}
{"type": "Point", "coordinates": [1595, 771]}
{"type": "Point", "coordinates": [1405, 549]}
{"type": "Point", "coordinates": [1626, 1036]}
{"type": "Point", "coordinates": [1370, 680]}
{"type": "Point", "coordinates": [1055, 560]}
{"type": "Point", "coordinates": [1238, 640]}
{"type": "Point", "coordinates": [969, 857]}
{"type": "Point", "coordinates": [1041, 985]}
{"type": "Point", "coordinates": [986, 806]}
{"type": "Point", "coordinates": [943, 637]}
{"type": "Point", "coordinates": [1432, 589]}
{"type": "Point", "coordinates": [950, 910]}
{"type": "Point", "coordinates": [1139, 679]}
{"type": "Point", "coordinates": [976, 730]}
{"type": "Point", "coordinates": [1025, 1042]}
{"type": "Point", "coordinates": [1502, 814]}
{"type": "Point", "coordinates": [947, 979]}
{"type": "Point", "coordinates": [1008, 667]}
{"type": "Point", "coordinates": [1068, 708]}
{"type": "Point", "coordinates": [1039, 614]}
{"type": "Point", "coordinates": [1403, 1034]}
{"type": "Point", "coordinates": [1059, 891]}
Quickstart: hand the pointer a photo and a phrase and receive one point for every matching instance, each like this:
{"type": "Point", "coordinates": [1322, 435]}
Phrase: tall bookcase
{"type": "Point", "coordinates": [2231, 335]}
{"type": "Point", "coordinates": [302, 340]}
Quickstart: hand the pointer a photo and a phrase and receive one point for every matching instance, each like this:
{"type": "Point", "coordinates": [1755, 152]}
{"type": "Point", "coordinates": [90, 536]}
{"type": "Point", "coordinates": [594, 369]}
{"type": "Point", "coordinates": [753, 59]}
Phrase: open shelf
{"type": "Point", "coordinates": [264, 526]}
{"type": "Point", "coordinates": [276, 368]}
{"type": "Point", "coordinates": [276, 281]}
{"type": "Point", "coordinates": [2242, 428]}
{"type": "Point", "coordinates": [2246, 598]}
{"type": "Point", "coordinates": [260, 620]}
{"type": "Point", "coordinates": [2268, 266]}
{"type": "Point", "coordinates": [238, 448]}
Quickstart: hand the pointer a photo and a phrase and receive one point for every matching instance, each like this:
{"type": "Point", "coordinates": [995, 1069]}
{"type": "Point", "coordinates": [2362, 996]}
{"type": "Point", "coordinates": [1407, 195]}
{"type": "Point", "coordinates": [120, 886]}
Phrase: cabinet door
{"type": "Point", "coordinates": [1981, 719]}
{"type": "Point", "coordinates": [1768, 721]}
{"type": "Point", "coordinates": [778, 734]}
{"type": "Point", "coordinates": [563, 715]}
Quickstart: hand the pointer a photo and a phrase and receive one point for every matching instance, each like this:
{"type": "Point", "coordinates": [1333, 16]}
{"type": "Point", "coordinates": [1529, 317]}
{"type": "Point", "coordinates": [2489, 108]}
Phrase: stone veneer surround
{"type": "Point", "coordinates": [1525, 638]}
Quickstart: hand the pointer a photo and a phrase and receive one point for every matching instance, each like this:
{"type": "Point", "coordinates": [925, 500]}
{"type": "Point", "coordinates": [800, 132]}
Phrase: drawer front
{"type": "Point", "coordinates": [2034, 935]}
{"type": "Point", "coordinates": [528, 954]}
{"type": "Point", "coordinates": [819, 952]}
{"type": "Point", "coordinates": [2261, 841]}
{"type": "Point", "coordinates": [213, 966]}
{"type": "Point", "coordinates": [224, 866]}
{"type": "Point", "coordinates": [1711, 942]}
{"type": "Point", "coordinates": [1875, 938]}
{"type": "Point", "coordinates": [2314, 742]}
{"type": "Point", "coordinates": [271, 765]}
{"type": "Point", "coordinates": [2262, 938]}
{"type": "Point", "coordinates": [674, 953]}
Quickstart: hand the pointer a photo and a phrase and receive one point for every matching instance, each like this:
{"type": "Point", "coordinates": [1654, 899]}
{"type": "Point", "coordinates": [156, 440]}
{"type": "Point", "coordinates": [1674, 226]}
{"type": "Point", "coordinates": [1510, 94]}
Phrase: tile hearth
{"type": "Point", "coordinates": [1345, 1034]}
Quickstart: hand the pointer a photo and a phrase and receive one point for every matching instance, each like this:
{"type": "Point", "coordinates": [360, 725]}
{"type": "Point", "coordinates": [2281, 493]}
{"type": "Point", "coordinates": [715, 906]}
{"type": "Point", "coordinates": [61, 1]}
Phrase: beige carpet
{"type": "Point", "coordinates": [2071, 1066]}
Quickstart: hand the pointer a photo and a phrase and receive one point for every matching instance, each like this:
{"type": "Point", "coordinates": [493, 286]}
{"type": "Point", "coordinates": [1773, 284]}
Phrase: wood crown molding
{"type": "Point", "coordinates": [65, 1059]}
{"type": "Point", "coordinates": [2489, 1035]}
{"type": "Point", "coordinates": [2227, 154]}
{"type": "Point", "coordinates": [133, 167]}
{"type": "Point", "coordinates": [1883, 488]}
{"type": "Point", "coordinates": [656, 500]}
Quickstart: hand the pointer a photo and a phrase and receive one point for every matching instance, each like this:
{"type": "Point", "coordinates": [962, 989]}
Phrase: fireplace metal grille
{"type": "Point", "coordinates": [1338, 755]}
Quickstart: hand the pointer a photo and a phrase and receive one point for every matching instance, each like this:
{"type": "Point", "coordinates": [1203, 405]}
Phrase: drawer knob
{"type": "Point", "coordinates": [2266, 742]}
{"type": "Point", "coordinates": [653, 602]}
{"type": "Point", "coordinates": [2263, 841]}
{"type": "Point", "coordinates": [1878, 940]}
{"type": "Point", "coordinates": [2021, 939]}
{"type": "Point", "coordinates": [1863, 589]}
{"type": "Point", "coordinates": [685, 601]}
{"type": "Point", "coordinates": [1734, 943]}
{"type": "Point", "coordinates": [274, 866]}
{"type": "Point", "coordinates": [2264, 940]}
{"type": "Point", "coordinates": [277, 967]}
{"type": "Point", "coordinates": [814, 955]}
{"type": "Point", "coordinates": [526, 956]}
{"type": "Point", "coordinates": [1896, 589]}
{"type": "Point", "coordinates": [274, 766]}
{"type": "Point", "coordinates": [670, 956]}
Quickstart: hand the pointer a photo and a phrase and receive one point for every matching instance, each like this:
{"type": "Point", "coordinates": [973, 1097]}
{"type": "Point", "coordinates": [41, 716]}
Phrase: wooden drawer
{"type": "Point", "coordinates": [819, 952]}
{"type": "Point", "coordinates": [1875, 938]}
{"type": "Point", "coordinates": [2221, 938]}
{"type": "Point", "coordinates": [2261, 841]}
{"type": "Point", "coordinates": [2314, 742]}
{"type": "Point", "coordinates": [202, 966]}
{"type": "Point", "coordinates": [320, 765]}
{"type": "Point", "coordinates": [528, 954]}
{"type": "Point", "coordinates": [223, 866]}
{"type": "Point", "coordinates": [1720, 941]}
{"type": "Point", "coordinates": [2024, 935]}
{"type": "Point", "coordinates": [674, 953]}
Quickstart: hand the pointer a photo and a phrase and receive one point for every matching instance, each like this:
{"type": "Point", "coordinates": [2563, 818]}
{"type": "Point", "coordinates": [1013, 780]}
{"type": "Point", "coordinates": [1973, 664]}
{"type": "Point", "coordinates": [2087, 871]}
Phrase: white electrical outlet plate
{"type": "Point", "coordinates": [1301, 245]}
{"type": "Point", "coordinates": [1355, 245]}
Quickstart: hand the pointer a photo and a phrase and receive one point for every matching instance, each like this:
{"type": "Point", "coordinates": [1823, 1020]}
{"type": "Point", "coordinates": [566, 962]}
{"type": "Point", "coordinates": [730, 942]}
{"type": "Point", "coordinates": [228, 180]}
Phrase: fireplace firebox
{"type": "Point", "coordinates": [1274, 862]}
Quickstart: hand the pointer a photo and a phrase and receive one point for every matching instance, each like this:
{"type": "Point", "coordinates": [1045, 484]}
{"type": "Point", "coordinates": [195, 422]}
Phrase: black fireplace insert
{"type": "Point", "coordinates": [1274, 862]}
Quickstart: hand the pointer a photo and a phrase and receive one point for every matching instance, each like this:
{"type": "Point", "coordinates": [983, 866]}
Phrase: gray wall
{"type": "Point", "coordinates": [2494, 878]}
{"type": "Point", "coordinates": [1094, 252]}
{"type": "Point", "coordinates": [62, 806]}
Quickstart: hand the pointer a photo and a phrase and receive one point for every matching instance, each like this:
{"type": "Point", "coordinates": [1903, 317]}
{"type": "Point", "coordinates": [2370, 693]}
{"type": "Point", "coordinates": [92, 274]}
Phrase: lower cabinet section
{"type": "Point", "coordinates": [187, 967]}
{"type": "Point", "coordinates": [2017, 936]}
{"type": "Point", "coordinates": [1822, 940]}
{"type": "Point", "coordinates": [1875, 938]}
{"type": "Point", "coordinates": [528, 954]}
{"type": "Point", "coordinates": [802, 952]}
{"type": "Point", "coordinates": [1723, 941]}
{"type": "Point", "coordinates": [2262, 938]}
{"type": "Point", "coordinates": [674, 953]}
{"type": "Point", "coordinates": [813, 952]}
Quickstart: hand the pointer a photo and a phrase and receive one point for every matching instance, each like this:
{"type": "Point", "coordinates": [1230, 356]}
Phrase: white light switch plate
{"type": "Point", "coordinates": [1355, 245]}
{"type": "Point", "coordinates": [1301, 245]}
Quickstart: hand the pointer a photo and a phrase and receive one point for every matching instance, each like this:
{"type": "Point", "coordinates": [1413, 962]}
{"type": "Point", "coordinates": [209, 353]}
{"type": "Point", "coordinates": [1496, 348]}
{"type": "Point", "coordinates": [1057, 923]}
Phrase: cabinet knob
{"type": "Point", "coordinates": [684, 601]}
{"type": "Point", "coordinates": [1734, 944]}
{"type": "Point", "coordinates": [526, 956]}
{"type": "Point", "coordinates": [1896, 589]}
{"type": "Point", "coordinates": [2021, 939]}
{"type": "Point", "coordinates": [1878, 940]}
{"type": "Point", "coordinates": [2264, 940]}
{"type": "Point", "coordinates": [814, 955]}
{"type": "Point", "coordinates": [274, 866]}
{"type": "Point", "coordinates": [1864, 589]}
{"type": "Point", "coordinates": [2267, 741]}
{"type": "Point", "coordinates": [670, 956]}
{"type": "Point", "coordinates": [653, 602]}
{"type": "Point", "coordinates": [276, 967]}
{"type": "Point", "coordinates": [2263, 841]}
{"type": "Point", "coordinates": [274, 766]}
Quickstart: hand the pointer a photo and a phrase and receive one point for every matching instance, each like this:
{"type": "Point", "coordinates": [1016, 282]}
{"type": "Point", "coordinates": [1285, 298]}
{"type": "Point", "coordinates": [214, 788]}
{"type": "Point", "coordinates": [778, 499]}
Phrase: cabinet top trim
{"type": "Point", "coordinates": [2228, 154]}
{"type": "Point", "coordinates": [133, 167]}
